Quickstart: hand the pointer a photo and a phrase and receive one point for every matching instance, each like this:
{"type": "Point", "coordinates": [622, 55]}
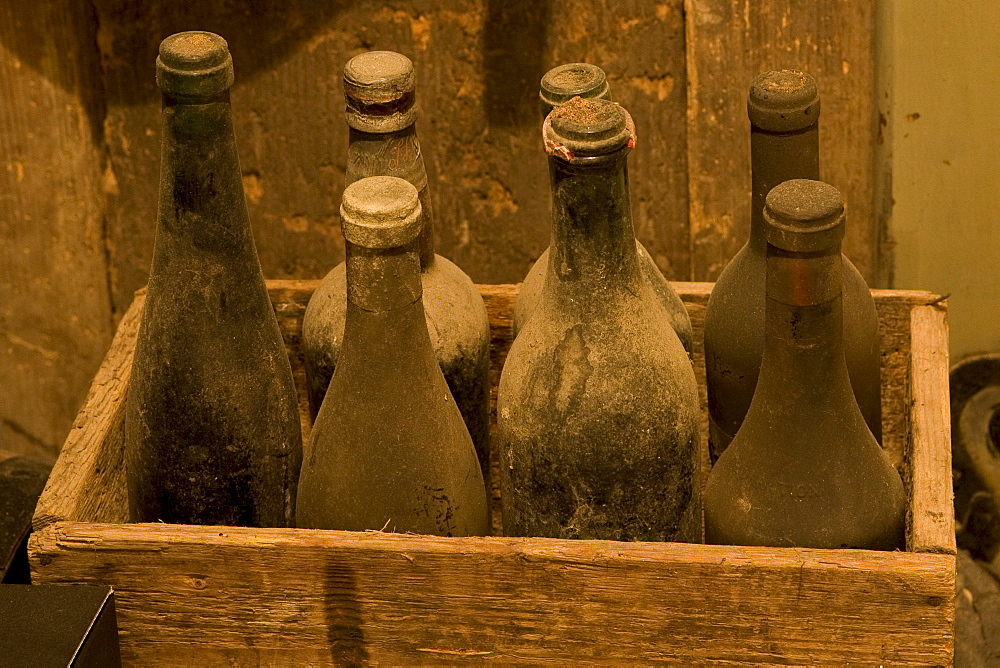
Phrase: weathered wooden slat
{"type": "Point", "coordinates": [932, 523]}
{"type": "Point", "coordinates": [640, 45]}
{"type": "Point", "coordinates": [287, 100]}
{"type": "Point", "coordinates": [88, 479]}
{"type": "Point", "coordinates": [403, 599]}
{"type": "Point", "coordinates": [55, 317]}
{"type": "Point", "coordinates": [728, 43]}
{"type": "Point", "coordinates": [479, 123]}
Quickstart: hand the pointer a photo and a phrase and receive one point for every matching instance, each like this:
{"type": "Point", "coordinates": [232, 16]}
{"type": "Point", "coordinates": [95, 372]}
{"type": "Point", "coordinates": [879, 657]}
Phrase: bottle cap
{"type": "Point", "coordinates": [194, 64]}
{"type": "Point", "coordinates": [584, 128]}
{"type": "Point", "coordinates": [565, 82]}
{"type": "Point", "coordinates": [379, 89]}
{"type": "Point", "coordinates": [783, 101]}
{"type": "Point", "coordinates": [380, 212]}
{"type": "Point", "coordinates": [804, 216]}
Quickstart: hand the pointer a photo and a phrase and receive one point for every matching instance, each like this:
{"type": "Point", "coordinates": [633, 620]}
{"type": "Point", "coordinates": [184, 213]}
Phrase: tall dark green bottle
{"type": "Point", "coordinates": [389, 450]}
{"type": "Point", "coordinates": [597, 410]}
{"type": "Point", "coordinates": [212, 431]}
{"type": "Point", "coordinates": [783, 107]}
{"type": "Point", "coordinates": [804, 469]}
{"type": "Point", "coordinates": [380, 88]}
{"type": "Point", "coordinates": [558, 86]}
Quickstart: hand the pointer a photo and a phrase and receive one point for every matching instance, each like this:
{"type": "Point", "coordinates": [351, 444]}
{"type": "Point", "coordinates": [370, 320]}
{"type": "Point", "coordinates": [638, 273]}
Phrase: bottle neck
{"type": "Point", "coordinates": [383, 280]}
{"type": "Point", "coordinates": [593, 241]}
{"type": "Point", "coordinates": [202, 203]}
{"type": "Point", "coordinates": [776, 157]}
{"type": "Point", "coordinates": [394, 154]}
{"type": "Point", "coordinates": [803, 330]}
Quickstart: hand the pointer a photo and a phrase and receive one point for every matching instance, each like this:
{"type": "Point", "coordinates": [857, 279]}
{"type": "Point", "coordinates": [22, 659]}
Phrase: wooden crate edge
{"type": "Point", "coordinates": [78, 465]}
{"type": "Point", "coordinates": [932, 518]}
{"type": "Point", "coordinates": [700, 601]}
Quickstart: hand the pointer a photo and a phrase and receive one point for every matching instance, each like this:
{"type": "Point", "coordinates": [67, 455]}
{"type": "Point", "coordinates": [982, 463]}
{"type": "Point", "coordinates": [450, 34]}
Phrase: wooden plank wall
{"type": "Point", "coordinates": [731, 41]}
{"type": "Point", "coordinates": [86, 207]}
{"type": "Point", "coordinates": [55, 311]}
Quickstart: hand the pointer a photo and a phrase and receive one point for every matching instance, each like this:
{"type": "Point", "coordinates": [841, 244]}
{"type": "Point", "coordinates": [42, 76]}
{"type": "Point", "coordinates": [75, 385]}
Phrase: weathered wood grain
{"type": "Point", "coordinates": [728, 43]}
{"type": "Point", "coordinates": [932, 524]}
{"type": "Point", "coordinates": [479, 124]}
{"type": "Point", "coordinates": [88, 479]}
{"type": "Point", "coordinates": [80, 129]}
{"type": "Point", "coordinates": [334, 597]}
{"type": "Point", "coordinates": [287, 104]}
{"type": "Point", "coordinates": [55, 318]}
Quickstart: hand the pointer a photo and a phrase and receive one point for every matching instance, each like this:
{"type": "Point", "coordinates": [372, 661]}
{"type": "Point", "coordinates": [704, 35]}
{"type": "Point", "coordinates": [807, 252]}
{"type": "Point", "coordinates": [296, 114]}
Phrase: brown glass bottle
{"type": "Point", "coordinates": [559, 85]}
{"type": "Point", "coordinates": [212, 430]}
{"type": "Point", "coordinates": [379, 87]}
{"type": "Point", "coordinates": [804, 470]}
{"type": "Point", "coordinates": [784, 144]}
{"type": "Point", "coordinates": [598, 407]}
{"type": "Point", "coordinates": [389, 449]}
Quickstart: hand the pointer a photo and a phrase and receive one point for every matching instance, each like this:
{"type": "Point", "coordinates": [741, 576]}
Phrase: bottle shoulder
{"type": "Point", "coordinates": [736, 305]}
{"type": "Point", "coordinates": [453, 307]}
{"type": "Point", "coordinates": [830, 485]}
{"type": "Point", "coordinates": [216, 304]}
{"type": "Point", "coordinates": [530, 291]}
{"type": "Point", "coordinates": [612, 359]}
{"type": "Point", "coordinates": [534, 283]}
{"type": "Point", "coordinates": [451, 297]}
{"type": "Point", "coordinates": [734, 318]}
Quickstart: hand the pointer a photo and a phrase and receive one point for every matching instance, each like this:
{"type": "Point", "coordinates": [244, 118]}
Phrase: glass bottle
{"type": "Point", "coordinates": [598, 407]}
{"type": "Point", "coordinates": [389, 450]}
{"type": "Point", "coordinates": [379, 88]}
{"type": "Point", "coordinates": [559, 85]}
{"type": "Point", "coordinates": [783, 107]}
{"type": "Point", "coordinates": [212, 431]}
{"type": "Point", "coordinates": [804, 469]}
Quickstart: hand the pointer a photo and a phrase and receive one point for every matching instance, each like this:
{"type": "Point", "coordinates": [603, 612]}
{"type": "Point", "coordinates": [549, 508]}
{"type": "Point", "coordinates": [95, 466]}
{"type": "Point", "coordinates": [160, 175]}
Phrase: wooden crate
{"type": "Point", "coordinates": [223, 595]}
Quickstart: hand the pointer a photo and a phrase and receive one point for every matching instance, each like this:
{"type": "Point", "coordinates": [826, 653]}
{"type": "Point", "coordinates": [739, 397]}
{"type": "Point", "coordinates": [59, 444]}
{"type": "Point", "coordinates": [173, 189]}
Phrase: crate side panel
{"type": "Point", "coordinates": [87, 482]}
{"type": "Point", "coordinates": [894, 332]}
{"type": "Point", "coordinates": [257, 593]}
{"type": "Point", "coordinates": [932, 515]}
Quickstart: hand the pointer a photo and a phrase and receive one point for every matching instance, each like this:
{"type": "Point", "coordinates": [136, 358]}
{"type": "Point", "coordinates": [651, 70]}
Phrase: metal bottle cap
{"type": "Point", "coordinates": [804, 216]}
{"type": "Point", "coordinates": [584, 127]}
{"type": "Point", "coordinates": [193, 65]}
{"type": "Point", "coordinates": [783, 101]}
{"type": "Point", "coordinates": [379, 89]}
{"type": "Point", "coordinates": [562, 83]}
{"type": "Point", "coordinates": [380, 212]}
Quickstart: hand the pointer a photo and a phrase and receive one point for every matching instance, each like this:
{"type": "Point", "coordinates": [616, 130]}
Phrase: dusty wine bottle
{"type": "Point", "coordinates": [559, 85]}
{"type": "Point", "coordinates": [804, 469]}
{"type": "Point", "coordinates": [784, 144]}
{"type": "Point", "coordinates": [598, 406]}
{"type": "Point", "coordinates": [389, 449]}
{"type": "Point", "coordinates": [379, 88]}
{"type": "Point", "coordinates": [212, 431]}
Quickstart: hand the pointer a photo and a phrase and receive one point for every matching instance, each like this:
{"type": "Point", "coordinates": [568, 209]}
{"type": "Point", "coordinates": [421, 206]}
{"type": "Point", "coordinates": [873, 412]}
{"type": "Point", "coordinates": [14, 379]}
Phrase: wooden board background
{"type": "Point", "coordinates": [79, 134]}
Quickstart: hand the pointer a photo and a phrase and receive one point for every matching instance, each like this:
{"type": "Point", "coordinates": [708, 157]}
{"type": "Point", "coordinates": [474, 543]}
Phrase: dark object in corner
{"type": "Point", "coordinates": [977, 615]}
{"type": "Point", "coordinates": [21, 482]}
{"type": "Point", "coordinates": [58, 625]}
{"type": "Point", "coordinates": [975, 434]}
